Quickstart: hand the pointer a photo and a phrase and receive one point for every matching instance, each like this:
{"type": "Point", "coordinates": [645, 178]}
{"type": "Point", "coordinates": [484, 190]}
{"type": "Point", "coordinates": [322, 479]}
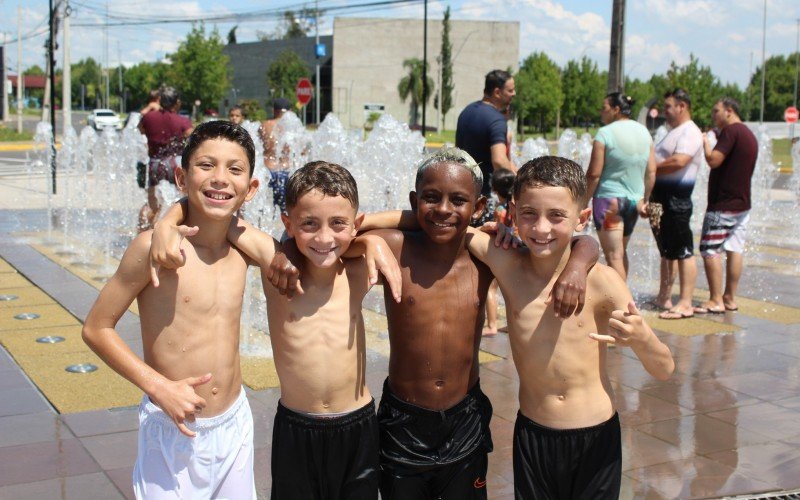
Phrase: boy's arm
{"type": "Point", "coordinates": [256, 244]}
{"type": "Point", "coordinates": [627, 328]}
{"type": "Point", "coordinates": [379, 257]}
{"type": "Point", "coordinates": [165, 246]}
{"type": "Point", "coordinates": [176, 398]}
{"type": "Point", "coordinates": [395, 219]}
{"type": "Point", "coordinates": [283, 272]}
{"type": "Point", "coordinates": [568, 294]}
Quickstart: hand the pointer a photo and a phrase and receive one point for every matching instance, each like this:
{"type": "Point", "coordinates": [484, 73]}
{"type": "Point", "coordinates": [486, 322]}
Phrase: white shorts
{"type": "Point", "coordinates": [217, 463]}
{"type": "Point", "coordinates": [723, 231]}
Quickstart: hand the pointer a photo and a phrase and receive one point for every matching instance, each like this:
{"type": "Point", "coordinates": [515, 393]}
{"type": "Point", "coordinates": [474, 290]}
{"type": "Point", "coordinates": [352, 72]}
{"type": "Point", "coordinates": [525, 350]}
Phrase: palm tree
{"type": "Point", "coordinates": [411, 86]}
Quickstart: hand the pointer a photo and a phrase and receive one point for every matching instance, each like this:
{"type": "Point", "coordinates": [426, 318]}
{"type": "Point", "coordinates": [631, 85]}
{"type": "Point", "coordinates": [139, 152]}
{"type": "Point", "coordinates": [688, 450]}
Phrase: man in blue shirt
{"type": "Point", "coordinates": [482, 131]}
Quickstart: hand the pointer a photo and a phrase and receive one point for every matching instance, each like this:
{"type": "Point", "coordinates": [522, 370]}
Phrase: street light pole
{"type": "Point", "coordinates": [763, 63]}
{"type": "Point", "coordinates": [316, 53]}
{"type": "Point", "coordinates": [51, 58]}
{"type": "Point", "coordinates": [424, 66]}
{"type": "Point", "coordinates": [796, 75]}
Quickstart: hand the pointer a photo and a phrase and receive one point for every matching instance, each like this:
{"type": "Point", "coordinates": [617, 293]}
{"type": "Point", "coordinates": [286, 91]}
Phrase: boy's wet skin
{"type": "Point", "coordinates": [435, 330]}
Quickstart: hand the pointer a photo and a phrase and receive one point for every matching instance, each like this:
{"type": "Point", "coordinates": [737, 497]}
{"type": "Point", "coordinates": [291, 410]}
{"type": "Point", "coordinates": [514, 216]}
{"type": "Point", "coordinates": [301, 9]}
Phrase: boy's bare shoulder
{"type": "Point", "coordinates": [605, 286]}
{"type": "Point", "coordinates": [393, 237]}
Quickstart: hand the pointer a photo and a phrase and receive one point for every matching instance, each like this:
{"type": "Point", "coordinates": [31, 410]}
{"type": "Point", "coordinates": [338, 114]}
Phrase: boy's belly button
{"type": "Point", "coordinates": [214, 391]}
{"type": "Point", "coordinates": [439, 384]}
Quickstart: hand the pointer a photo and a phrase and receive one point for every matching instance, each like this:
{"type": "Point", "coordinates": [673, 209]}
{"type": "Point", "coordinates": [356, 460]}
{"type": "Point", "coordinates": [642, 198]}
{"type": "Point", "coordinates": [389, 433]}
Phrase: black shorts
{"type": "Point", "coordinates": [673, 233]}
{"type": "Point", "coordinates": [277, 181]}
{"type": "Point", "coordinates": [434, 454]}
{"type": "Point", "coordinates": [567, 463]}
{"type": "Point", "coordinates": [316, 458]}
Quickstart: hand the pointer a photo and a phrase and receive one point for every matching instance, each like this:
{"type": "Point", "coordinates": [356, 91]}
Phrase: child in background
{"type": "Point", "coordinates": [502, 185]}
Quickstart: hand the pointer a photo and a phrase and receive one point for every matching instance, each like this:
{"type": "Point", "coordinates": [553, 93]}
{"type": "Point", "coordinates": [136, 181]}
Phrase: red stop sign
{"type": "Point", "coordinates": [304, 91]}
{"type": "Point", "coordinates": [791, 114]}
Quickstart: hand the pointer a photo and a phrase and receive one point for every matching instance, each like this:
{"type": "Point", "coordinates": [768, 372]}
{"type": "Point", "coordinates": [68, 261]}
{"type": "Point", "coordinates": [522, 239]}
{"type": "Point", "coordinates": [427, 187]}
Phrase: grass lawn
{"type": "Point", "coordinates": [10, 134]}
{"type": "Point", "coordinates": [781, 154]}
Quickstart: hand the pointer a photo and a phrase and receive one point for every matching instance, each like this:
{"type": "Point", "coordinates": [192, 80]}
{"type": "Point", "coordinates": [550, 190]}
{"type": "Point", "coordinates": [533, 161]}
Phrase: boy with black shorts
{"type": "Point", "coordinates": [567, 434]}
{"type": "Point", "coordinates": [325, 435]}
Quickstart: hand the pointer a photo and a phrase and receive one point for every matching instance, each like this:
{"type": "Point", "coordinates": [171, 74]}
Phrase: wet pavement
{"type": "Point", "coordinates": [726, 424]}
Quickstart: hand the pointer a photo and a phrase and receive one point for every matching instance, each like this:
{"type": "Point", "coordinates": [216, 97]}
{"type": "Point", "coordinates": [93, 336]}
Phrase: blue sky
{"type": "Point", "coordinates": [724, 34]}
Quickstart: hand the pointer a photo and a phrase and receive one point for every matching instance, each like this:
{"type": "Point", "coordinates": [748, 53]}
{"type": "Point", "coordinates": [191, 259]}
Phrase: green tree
{"type": "Point", "coordinates": [445, 61]}
{"type": "Point", "coordinates": [284, 73]}
{"type": "Point", "coordinates": [34, 70]}
{"type": "Point", "coordinates": [141, 78]}
{"type": "Point", "coordinates": [200, 67]}
{"type": "Point", "coordinates": [293, 24]}
{"type": "Point", "coordinates": [701, 83]}
{"type": "Point", "coordinates": [539, 94]}
{"type": "Point", "coordinates": [778, 89]}
{"type": "Point", "coordinates": [252, 110]}
{"type": "Point", "coordinates": [584, 88]}
{"type": "Point", "coordinates": [232, 35]}
{"type": "Point", "coordinates": [641, 92]}
{"type": "Point", "coordinates": [410, 87]}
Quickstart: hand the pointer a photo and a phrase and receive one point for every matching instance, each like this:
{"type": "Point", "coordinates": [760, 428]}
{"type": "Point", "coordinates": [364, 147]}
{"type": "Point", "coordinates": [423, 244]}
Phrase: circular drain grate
{"type": "Point", "coordinates": [8, 297]}
{"type": "Point", "coordinates": [81, 368]}
{"type": "Point", "coordinates": [50, 339]}
{"type": "Point", "coordinates": [26, 316]}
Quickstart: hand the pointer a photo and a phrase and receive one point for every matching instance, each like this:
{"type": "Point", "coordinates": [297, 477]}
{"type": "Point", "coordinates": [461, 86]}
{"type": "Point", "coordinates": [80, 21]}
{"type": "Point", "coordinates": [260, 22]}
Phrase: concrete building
{"type": "Point", "coordinates": [364, 65]}
{"type": "Point", "coordinates": [368, 57]}
{"type": "Point", "coordinates": [249, 63]}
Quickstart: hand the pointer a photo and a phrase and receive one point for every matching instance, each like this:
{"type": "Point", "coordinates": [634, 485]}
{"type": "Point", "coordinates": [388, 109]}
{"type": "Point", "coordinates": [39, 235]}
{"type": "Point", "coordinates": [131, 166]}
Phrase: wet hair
{"type": "Point", "coordinates": [552, 171]}
{"type": "Point", "coordinates": [219, 129]}
{"type": "Point", "coordinates": [154, 95]}
{"type": "Point", "coordinates": [503, 182]}
{"type": "Point", "coordinates": [457, 157]}
{"type": "Point", "coordinates": [495, 79]}
{"type": "Point", "coordinates": [680, 95]}
{"type": "Point", "coordinates": [169, 97]}
{"type": "Point", "coordinates": [731, 104]}
{"type": "Point", "coordinates": [329, 179]}
{"type": "Point", "coordinates": [621, 101]}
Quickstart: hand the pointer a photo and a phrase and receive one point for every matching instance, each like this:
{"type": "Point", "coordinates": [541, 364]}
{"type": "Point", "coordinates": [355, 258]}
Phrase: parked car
{"type": "Point", "coordinates": [101, 119]}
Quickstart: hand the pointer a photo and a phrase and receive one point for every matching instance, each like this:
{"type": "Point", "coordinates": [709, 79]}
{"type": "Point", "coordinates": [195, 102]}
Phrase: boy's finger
{"type": "Point", "coordinates": [395, 281]}
{"type": "Point", "coordinates": [185, 430]}
{"type": "Point", "coordinates": [603, 338]}
{"type": "Point", "coordinates": [154, 269]}
{"type": "Point", "coordinates": [185, 231]}
{"type": "Point", "coordinates": [581, 302]}
{"type": "Point", "coordinates": [372, 271]}
{"type": "Point", "coordinates": [632, 309]}
{"type": "Point", "coordinates": [195, 381]}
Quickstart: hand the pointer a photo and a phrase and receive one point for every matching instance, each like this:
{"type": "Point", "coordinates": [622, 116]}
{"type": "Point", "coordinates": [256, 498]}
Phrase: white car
{"type": "Point", "coordinates": [104, 118]}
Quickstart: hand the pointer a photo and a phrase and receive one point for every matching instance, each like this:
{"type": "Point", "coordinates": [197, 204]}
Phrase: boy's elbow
{"type": "Point", "coordinates": [89, 336]}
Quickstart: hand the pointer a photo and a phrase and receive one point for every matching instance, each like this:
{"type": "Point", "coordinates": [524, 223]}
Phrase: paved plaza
{"type": "Point", "coordinates": [726, 424]}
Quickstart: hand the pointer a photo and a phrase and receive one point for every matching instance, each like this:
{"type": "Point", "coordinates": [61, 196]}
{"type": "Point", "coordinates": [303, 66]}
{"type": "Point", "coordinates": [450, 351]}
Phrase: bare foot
{"type": "Point", "coordinates": [709, 307]}
{"type": "Point", "coordinates": [489, 332]}
{"type": "Point", "coordinates": [676, 313]}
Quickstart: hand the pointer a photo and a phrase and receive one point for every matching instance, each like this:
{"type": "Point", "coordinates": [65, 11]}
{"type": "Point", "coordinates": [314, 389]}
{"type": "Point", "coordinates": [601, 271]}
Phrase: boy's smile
{"type": "Point", "coordinates": [445, 201]}
{"type": "Point", "coordinates": [546, 217]}
{"type": "Point", "coordinates": [217, 180]}
{"type": "Point", "coordinates": [322, 226]}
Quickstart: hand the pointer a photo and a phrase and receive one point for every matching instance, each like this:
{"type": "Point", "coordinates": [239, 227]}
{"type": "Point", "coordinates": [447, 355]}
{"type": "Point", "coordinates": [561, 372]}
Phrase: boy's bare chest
{"type": "Point", "coordinates": [207, 286]}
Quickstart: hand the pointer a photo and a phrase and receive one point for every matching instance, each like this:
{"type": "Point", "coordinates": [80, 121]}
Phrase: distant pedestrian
{"type": "Point", "coordinates": [482, 131]}
{"type": "Point", "coordinates": [275, 161]}
{"type": "Point", "coordinates": [678, 157]}
{"type": "Point", "coordinates": [620, 177]}
{"type": "Point", "coordinates": [732, 162]}
{"type": "Point", "coordinates": [165, 130]}
{"type": "Point", "coordinates": [236, 115]}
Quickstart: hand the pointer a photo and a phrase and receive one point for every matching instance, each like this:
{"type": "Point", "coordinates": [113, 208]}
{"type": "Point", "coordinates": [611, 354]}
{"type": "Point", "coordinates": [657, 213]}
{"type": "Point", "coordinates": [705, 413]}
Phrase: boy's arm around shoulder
{"type": "Point", "coordinates": [256, 244]}
{"type": "Point", "coordinates": [379, 248]}
{"type": "Point", "coordinates": [393, 219]}
{"type": "Point", "coordinates": [627, 327]}
{"type": "Point", "coordinates": [176, 398]}
{"type": "Point", "coordinates": [568, 294]}
{"type": "Point", "coordinates": [165, 245]}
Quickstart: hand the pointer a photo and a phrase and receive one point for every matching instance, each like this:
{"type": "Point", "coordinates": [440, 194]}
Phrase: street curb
{"type": "Point", "coordinates": [21, 146]}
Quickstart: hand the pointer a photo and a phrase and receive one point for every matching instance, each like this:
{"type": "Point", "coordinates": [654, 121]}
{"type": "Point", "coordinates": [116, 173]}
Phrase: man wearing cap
{"type": "Point", "coordinates": [277, 164]}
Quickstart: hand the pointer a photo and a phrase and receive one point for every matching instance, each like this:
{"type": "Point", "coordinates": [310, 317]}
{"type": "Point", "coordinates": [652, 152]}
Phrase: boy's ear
{"type": "Point", "coordinates": [287, 223]}
{"type": "Point", "coordinates": [512, 209]}
{"type": "Point", "coordinates": [252, 189]}
{"type": "Point", "coordinates": [412, 199]}
{"type": "Point", "coordinates": [180, 178]}
{"type": "Point", "coordinates": [480, 206]}
{"type": "Point", "coordinates": [357, 222]}
{"type": "Point", "coordinates": [583, 218]}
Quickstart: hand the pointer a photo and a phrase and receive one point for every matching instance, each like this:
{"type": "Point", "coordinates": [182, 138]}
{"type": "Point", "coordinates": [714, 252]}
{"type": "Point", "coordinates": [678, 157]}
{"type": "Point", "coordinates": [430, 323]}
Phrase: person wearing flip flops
{"type": "Point", "coordinates": [678, 158]}
{"type": "Point", "coordinates": [732, 161]}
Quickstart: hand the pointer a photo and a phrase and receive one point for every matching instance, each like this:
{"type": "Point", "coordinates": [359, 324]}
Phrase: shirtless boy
{"type": "Point", "coordinates": [196, 430]}
{"type": "Point", "coordinates": [325, 436]}
{"type": "Point", "coordinates": [567, 434]}
{"type": "Point", "coordinates": [434, 419]}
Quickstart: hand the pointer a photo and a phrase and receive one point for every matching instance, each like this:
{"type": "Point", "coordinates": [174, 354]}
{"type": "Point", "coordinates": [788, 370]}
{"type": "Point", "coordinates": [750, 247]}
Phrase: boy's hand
{"type": "Point", "coordinates": [180, 402]}
{"type": "Point", "coordinates": [165, 248]}
{"type": "Point", "coordinates": [504, 235]}
{"type": "Point", "coordinates": [282, 272]}
{"type": "Point", "coordinates": [569, 291]}
{"type": "Point", "coordinates": [379, 257]}
{"type": "Point", "coordinates": [624, 328]}
{"type": "Point", "coordinates": [642, 208]}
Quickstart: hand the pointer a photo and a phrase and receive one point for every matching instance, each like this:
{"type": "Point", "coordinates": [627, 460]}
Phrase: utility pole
{"type": "Point", "coordinates": [796, 75]}
{"type": "Point", "coordinates": [119, 74]}
{"type": "Point", "coordinates": [318, 86]}
{"type": "Point", "coordinates": [424, 67]}
{"type": "Point", "coordinates": [616, 55]}
{"type": "Point", "coordinates": [105, 50]}
{"type": "Point", "coordinates": [20, 78]}
{"type": "Point", "coordinates": [66, 84]}
{"type": "Point", "coordinates": [51, 63]}
{"type": "Point", "coordinates": [763, 64]}
{"type": "Point", "coordinates": [3, 79]}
